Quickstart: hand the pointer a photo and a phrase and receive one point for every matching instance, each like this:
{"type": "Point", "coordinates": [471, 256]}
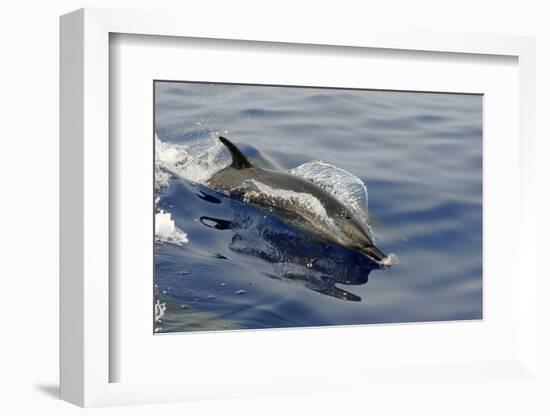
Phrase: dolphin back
{"type": "Point", "coordinates": [239, 161]}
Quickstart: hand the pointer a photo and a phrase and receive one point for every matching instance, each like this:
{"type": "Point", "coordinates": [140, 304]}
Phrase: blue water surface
{"type": "Point", "coordinates": [420, 155]}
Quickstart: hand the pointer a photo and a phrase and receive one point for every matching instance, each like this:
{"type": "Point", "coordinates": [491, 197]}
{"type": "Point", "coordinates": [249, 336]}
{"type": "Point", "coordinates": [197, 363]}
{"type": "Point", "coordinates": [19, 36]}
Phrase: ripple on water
{"type": "Point", "coordinates": [420, 155]}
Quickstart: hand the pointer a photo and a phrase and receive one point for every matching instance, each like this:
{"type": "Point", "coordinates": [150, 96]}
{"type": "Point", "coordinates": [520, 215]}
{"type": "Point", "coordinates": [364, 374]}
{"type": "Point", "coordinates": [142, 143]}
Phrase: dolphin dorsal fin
{"type": "Point", "coordinates": [239, 160]}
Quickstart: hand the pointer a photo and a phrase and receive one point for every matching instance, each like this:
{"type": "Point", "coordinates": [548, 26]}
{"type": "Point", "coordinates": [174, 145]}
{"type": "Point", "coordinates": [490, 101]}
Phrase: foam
{"type": "Point", "coordinates": [166, 230]}
{"type": "Point", "coordinates": [196, 161]}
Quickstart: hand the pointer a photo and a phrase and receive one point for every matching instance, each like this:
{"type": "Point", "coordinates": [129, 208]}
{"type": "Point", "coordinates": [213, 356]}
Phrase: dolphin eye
{"type": "Point", "coordinates": [348, 217]}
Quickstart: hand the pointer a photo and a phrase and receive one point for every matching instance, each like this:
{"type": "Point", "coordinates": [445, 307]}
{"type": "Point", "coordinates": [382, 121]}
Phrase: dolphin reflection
{"type": "Point", "coordinates": [295, 257]}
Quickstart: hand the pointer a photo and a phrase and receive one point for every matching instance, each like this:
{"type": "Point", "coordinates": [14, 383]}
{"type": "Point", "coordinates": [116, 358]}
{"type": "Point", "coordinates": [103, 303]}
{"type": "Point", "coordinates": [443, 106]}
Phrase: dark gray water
{"type": "Point", "coordinates": [420, 156]}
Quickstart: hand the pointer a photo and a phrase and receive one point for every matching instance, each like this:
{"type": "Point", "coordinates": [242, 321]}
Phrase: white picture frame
{"type": "Point", "coordinates": [86, 356]}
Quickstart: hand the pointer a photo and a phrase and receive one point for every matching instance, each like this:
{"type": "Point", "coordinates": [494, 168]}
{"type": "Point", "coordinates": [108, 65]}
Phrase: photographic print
{"type": "Point", "coordinates": [291, 206]}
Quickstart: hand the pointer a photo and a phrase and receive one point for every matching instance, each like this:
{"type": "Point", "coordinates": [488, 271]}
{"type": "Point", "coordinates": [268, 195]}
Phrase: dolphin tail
{"type": "Point", "coordinates": [239, 160]}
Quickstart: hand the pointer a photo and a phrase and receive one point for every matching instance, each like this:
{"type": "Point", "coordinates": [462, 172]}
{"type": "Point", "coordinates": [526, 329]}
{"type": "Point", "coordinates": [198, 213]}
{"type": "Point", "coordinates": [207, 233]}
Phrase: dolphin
{"type": "Point", "coordinates": [298, 202]}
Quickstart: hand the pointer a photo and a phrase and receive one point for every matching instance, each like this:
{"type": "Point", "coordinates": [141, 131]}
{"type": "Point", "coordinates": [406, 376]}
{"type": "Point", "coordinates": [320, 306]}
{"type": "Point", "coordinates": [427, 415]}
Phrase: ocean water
{"type": "Point", "coordinates": [221, 263]}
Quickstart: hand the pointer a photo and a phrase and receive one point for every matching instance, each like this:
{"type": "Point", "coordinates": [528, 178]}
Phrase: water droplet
{"type": "Point", "coordinates": [223, 284]}
{"type": "Point", "coordinates": [211, 297]}
{"type": "Point", "coordinates": [184, 306]}
{"type": "Point", "coordinates": [240, 292]}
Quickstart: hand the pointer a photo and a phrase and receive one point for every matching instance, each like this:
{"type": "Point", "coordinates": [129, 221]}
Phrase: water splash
{"type": "Point", "coordinates": [196, 162]}
{"type": "Point", "coordinates": [160, 310]}
{"type": "Point", "coordinates": [344, 186]}
{"type": "Point", "coordinates": [166, 230]}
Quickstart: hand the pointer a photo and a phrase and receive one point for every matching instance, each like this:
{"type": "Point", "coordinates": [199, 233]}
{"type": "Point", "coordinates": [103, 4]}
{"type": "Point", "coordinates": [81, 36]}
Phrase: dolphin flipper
{"type": "Point", "coordinates": [239, 160]}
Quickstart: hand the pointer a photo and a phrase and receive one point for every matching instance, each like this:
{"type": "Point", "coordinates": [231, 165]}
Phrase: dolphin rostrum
{"type": "Point", "coordinates": [298, 202]}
